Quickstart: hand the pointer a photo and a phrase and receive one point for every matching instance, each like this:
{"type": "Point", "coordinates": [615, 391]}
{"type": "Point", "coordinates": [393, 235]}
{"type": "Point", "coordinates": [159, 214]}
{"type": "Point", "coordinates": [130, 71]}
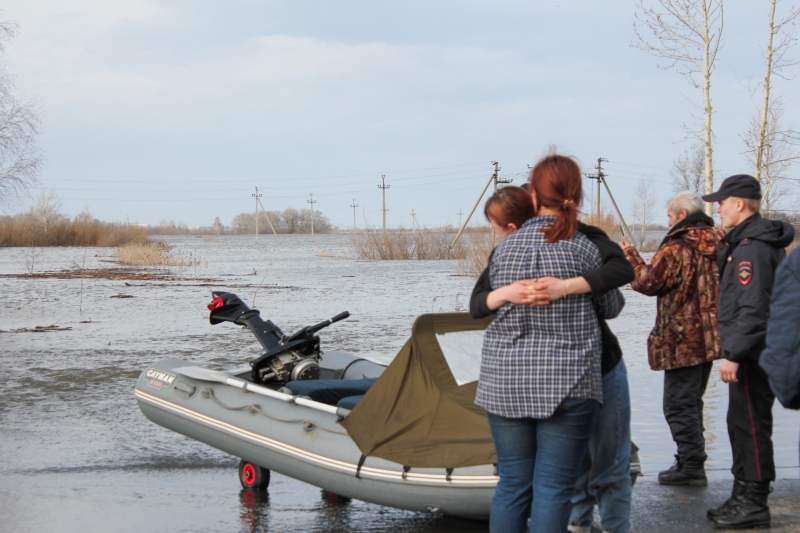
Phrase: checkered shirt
{"type": "Point", "coordinates": [536, 356]}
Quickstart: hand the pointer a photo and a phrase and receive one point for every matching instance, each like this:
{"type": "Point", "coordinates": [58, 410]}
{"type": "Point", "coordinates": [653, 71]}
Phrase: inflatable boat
{"type": "Point", "coordinates": [407, 436]}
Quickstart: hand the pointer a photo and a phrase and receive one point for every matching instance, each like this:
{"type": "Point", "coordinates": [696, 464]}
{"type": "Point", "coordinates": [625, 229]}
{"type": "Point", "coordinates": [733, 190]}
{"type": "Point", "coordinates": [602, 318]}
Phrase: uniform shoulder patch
{"type": "Point", "coordinates": [745, 242]}
{"type": "Point", "coordinates": [744, 271]}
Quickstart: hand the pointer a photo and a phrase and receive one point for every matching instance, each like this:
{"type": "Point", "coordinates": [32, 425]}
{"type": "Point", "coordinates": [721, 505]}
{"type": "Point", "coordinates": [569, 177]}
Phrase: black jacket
{"type": "Point", "coordinates": [615, 272]}
{"type": "Point", "coordinates": [781, 358]}
{"type": "Point", "coordinates": [748, 257]}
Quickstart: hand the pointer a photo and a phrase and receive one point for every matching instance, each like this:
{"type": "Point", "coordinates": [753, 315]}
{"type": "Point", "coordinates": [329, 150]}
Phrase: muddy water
{"type": "Point", "coordinates": [77, 455]}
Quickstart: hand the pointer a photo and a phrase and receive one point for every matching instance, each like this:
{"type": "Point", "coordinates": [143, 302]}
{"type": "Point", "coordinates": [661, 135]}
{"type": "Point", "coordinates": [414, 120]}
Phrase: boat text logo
{"type": "Point", "coordinates": [158, 379]}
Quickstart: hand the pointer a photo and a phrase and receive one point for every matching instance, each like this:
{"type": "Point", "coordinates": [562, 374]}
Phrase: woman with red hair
{"type": "Point", "coordinates": [540, 376]}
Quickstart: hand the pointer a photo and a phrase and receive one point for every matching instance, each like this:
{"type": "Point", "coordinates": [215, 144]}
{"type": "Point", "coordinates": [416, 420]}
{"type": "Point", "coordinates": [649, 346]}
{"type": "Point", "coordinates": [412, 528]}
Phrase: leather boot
{"type": "Point", "coordinates": [736, 495]}
{"type": "Point", "coordinates": [684, 472]}
{"type": "Point", "coordinates": [751, 511]}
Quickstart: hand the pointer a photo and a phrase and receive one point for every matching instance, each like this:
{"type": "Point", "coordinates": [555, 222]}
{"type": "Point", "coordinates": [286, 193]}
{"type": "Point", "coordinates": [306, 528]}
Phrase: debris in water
{"type": "Point", "coordinates": [37, 329]}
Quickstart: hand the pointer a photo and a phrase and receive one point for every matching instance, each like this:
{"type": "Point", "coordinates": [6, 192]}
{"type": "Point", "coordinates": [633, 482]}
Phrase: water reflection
{"type": "Point", "coordinates": [254, 515]}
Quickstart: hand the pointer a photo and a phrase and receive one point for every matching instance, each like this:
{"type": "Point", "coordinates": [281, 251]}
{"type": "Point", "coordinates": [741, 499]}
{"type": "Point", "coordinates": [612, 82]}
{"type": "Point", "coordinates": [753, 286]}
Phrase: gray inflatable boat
{"type": "Point", "coordinates": [252, 412]}
{"type": "Point", "coordinates": [407, 436]}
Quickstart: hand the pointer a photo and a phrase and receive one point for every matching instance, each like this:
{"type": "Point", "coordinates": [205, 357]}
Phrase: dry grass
{"type": "Point", "coordinates": [478, 246]}
{"type": "Point", "coordinates": [403, 244]}
{"type": "Point", "coordinates": [153, 253]}
{"type": "Point", "coordinates": [325, 253]}
{"type": "Point", "coordinates": [27, 230]}
{"type": "Point", "coordinates": [606, 221]}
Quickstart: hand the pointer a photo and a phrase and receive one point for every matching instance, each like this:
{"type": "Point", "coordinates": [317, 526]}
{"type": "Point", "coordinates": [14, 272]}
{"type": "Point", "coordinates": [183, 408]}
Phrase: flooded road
{"type": "Point", "coordinates": [78, 455]}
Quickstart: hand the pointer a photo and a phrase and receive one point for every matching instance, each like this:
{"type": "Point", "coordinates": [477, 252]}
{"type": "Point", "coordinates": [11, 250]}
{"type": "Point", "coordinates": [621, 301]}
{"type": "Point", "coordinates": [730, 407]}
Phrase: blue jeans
{"type": "Point", "coordinates": [606, 476]}
{"type": "Point", "coordinates": [553, 448]}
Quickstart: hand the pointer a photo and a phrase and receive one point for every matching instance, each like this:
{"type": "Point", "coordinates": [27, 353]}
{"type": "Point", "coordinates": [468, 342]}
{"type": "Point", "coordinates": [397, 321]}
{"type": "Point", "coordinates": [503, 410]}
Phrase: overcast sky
{"type": "Point", "coordinates": [178, 110]}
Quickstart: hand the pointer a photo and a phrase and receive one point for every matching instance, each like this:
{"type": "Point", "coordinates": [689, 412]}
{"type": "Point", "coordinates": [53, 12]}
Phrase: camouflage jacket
{"type": "Point", "coordinates": [684, 276]}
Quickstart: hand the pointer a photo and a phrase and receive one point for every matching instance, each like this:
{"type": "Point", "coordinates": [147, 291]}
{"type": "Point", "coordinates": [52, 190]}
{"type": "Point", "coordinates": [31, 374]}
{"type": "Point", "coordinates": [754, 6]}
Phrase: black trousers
{"type": "Point", "coordinates": [683, 408]}
{"type": "Point", "coordinates": [750, 424]}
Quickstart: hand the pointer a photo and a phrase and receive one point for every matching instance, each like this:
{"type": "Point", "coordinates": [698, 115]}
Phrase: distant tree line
{"type": "Point", "coordinates": [290, 220]}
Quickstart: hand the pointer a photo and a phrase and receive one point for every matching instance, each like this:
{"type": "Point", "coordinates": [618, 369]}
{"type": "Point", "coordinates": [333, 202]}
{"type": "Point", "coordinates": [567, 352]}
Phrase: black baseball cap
{"type": "Point", "coordinates": [738, 186]}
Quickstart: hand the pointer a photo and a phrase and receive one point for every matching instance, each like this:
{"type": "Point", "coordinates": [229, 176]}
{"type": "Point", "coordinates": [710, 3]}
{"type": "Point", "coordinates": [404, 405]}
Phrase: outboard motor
{"type": "Point", "coordinates": [291, 358]}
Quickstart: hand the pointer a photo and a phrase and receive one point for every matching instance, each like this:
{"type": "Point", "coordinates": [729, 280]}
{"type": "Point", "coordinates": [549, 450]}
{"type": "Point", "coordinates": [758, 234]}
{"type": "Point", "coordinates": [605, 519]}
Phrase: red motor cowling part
{"type": "Point", "coordinates": [216, 302]}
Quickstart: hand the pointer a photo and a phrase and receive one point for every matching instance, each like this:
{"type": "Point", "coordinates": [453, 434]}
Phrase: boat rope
{"type": "Point", "coordinates": [208, 393]}
{"type": "Point", "coordinates": [360, 464]}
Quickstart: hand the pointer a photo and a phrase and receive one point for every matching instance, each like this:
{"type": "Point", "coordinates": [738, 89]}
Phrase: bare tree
{"type": "Point", "coordinates": [20, 124]}
{"type": "Point", "coordinates": [767, 142]}
{"type": "Point", "coordinates": [688, 35]}
{"type": "Point", "coordinates": [292, 220]}
{"type": "Point", "coordinates": [688, 171]}
{"type": "Point", "coordinates": [779, 149]}
{"type": "Point", "coordinates": [47, 210]}
{"type": "Point", "coordinates": [217, 226]}
{"type": "Point", "coordinates": [644, 204]}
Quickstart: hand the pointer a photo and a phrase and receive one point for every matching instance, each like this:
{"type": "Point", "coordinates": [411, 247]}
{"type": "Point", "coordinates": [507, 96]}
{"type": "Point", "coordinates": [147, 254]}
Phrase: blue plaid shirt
{"type": "Point", "coordinates": [535, 357]}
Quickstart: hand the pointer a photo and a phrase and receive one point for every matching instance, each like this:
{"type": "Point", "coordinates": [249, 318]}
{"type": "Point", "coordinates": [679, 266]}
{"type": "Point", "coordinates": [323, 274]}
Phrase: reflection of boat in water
{"type": "Point", "coordinates": [406, 436]}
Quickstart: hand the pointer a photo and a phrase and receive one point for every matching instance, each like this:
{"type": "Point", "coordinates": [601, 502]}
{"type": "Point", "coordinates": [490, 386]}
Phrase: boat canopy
{"type": "Point", "coordinates": [421, 412]}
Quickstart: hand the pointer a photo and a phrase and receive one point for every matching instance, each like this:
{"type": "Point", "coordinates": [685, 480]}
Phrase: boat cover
{"type": "Point", "coordinates": [421, 412]}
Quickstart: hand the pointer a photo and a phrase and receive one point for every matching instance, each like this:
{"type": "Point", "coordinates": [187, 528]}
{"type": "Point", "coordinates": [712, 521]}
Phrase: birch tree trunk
{"type": "Point", "coordinates": [688, 34]}
{"type": "Point", "coordinates": [762, 130]}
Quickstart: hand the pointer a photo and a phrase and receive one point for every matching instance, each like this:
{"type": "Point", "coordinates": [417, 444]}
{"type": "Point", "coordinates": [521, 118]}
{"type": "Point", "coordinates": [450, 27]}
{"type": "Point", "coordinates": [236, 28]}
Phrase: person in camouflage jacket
{"type": "Point", "coordinates": [684, 276]}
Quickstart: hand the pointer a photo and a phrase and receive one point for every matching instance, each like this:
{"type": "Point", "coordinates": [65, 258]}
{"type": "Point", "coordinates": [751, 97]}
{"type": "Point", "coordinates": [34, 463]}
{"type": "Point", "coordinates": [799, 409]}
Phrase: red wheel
{"type": "Point", "coordinates": [252, 476]}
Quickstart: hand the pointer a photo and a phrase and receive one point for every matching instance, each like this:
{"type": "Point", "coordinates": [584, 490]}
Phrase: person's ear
{"type": "Point", "coordinates": [512, 227]}
{"type": "Point", "coordinates": [535, 202]}
{"type": "Point", "coordinates": [739, 205]}
{"type": "Point", "coordinates": [684, 213]}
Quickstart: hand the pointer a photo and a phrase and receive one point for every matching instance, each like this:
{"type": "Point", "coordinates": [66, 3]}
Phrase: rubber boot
{"type": "Point", "coordinates": [751, 511]}
{"type": "Point", "coordinates": [684, 472]}
{"type": "Point", "coordinates": [736, 496]}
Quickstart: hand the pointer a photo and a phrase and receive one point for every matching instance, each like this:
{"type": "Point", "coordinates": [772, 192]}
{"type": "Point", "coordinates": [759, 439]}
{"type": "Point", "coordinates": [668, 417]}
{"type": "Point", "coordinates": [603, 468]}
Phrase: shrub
{"type": "Point", "coordinates": [153, 253]}
{"type": "Point", "coordinates": [405, 244]}
{"type": "Point", "coordinates": [27, 229]}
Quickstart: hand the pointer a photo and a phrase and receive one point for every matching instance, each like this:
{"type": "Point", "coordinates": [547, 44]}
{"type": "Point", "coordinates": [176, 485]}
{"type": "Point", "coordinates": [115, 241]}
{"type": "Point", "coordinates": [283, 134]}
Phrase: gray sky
{"type": "Point", "coordinates": [177, 110]}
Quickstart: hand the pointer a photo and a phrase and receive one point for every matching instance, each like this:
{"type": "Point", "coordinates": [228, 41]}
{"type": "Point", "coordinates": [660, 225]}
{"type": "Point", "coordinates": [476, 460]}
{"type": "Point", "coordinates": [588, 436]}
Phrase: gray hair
{"type": "Point", "coordinates": [688, 200]}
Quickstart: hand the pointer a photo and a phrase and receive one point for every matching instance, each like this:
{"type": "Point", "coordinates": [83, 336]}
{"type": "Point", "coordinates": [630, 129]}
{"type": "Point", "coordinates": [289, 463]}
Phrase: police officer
{"type": "Point", "coordinates": [748, 257]}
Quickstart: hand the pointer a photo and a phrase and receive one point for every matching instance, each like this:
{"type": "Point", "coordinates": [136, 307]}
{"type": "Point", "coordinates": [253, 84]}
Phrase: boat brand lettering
{"type": "Point", "coordinates": [158, 379]}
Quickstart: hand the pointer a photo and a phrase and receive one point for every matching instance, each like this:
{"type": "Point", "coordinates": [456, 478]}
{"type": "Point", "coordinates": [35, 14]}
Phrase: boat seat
{"type": "Point", "coordinates": [349, 402]}
{"type": "Point", "coordinates": [331, 391]}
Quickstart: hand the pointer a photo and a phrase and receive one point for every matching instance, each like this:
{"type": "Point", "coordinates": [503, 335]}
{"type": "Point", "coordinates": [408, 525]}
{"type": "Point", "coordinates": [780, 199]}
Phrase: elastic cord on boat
{"type": "Point", "coordinates": [256, 409]}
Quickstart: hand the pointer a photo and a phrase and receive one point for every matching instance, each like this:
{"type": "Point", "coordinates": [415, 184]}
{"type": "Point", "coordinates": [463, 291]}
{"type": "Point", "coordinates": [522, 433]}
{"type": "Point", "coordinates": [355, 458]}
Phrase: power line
{"type": "Point", "coordinates": [287, 178]}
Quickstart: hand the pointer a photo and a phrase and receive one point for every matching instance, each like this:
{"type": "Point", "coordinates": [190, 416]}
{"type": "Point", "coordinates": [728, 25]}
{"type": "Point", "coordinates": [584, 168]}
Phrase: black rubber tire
{"type": "Point", "coordinates": [252, 476]}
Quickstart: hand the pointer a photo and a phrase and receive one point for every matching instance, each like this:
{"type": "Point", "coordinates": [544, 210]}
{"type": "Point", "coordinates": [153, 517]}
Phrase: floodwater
{"type": "Point", "coordinates": [78, 455]}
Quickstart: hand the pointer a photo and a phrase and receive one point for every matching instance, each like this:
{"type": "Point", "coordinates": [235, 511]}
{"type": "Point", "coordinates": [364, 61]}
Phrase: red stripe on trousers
{"type": "Point", "coordinates": [752, 422]}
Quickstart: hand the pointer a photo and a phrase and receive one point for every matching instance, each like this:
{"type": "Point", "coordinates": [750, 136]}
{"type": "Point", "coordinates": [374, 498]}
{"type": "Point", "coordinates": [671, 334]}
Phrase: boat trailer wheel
{"type": "Point", "coordinates": [252, 476]}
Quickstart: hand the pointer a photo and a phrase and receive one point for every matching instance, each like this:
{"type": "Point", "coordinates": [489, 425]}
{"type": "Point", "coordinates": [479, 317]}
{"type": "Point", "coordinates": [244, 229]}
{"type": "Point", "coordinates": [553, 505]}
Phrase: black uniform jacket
{"type": "Point", "coordinates": [748, 257]}
{"type": "Point", "coordinates": [615, 272]}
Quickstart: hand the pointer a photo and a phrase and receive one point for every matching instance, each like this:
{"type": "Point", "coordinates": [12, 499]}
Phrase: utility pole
{"type": "Point", "coordinates": [256, 196]}
{"type": "Point", "coordinates": [383, 188]}
{"type": "Point", "coordinates": [266, 215]}
{"type": "Point", "coordinates": [312, 202]}
{"type": "Point", "coordinates": [354, 205]}
{"type": "Point", "coordinates": [496, 178]}
{"type": "Point", "coordinates": [601, 178]}
{"type": "Point", "coordinates": [413, 220]}
{"type": "Point", "coordinates": [459, 217]}
{"type": "Point", "coordinates": [599, 175]}
{"type": "Point", "coordinates": [492, 178]}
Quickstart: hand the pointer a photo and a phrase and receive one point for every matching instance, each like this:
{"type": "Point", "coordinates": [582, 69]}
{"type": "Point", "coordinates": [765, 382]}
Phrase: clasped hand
{"type": "Point", "coordinates": [539, 291]}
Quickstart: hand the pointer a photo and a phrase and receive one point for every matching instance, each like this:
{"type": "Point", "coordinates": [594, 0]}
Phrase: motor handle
{"type": "Point", "coordinates": [326, 323]}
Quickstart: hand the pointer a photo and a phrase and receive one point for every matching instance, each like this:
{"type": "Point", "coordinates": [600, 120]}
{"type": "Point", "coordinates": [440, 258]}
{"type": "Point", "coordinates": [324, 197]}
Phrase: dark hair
{"type": "Point", "coordinates": [509, 205]}
{"type": "Point", "coordinates": [556, 180]}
